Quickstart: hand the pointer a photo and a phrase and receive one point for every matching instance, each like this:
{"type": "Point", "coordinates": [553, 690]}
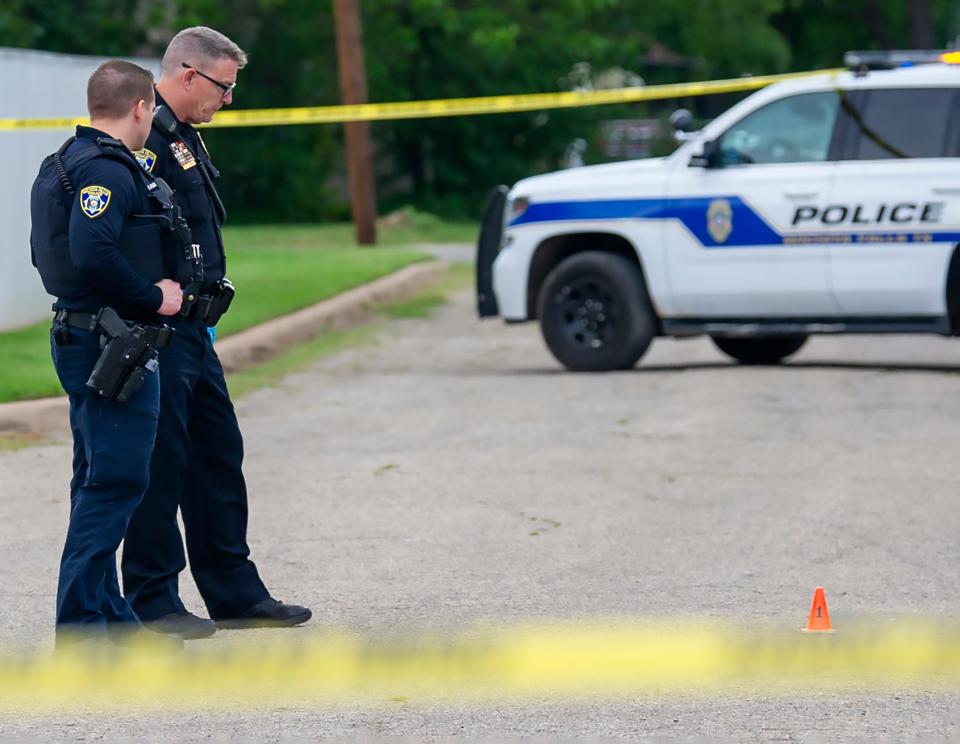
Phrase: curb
{"type": "Point", "coordinates": [49, 416]}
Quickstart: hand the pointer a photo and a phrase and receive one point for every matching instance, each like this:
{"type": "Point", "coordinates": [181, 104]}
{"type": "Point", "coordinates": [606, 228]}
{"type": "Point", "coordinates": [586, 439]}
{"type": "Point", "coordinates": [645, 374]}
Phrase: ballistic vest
{"type": "Point", "coordinates": [52, 198]}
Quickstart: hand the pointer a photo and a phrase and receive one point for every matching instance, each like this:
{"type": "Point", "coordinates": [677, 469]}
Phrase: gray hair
{"type": "Point", "coordinates": [200, 44]}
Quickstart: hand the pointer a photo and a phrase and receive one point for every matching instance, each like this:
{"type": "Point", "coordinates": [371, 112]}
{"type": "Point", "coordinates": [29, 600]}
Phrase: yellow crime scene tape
{"type": "Point", "coordinates": [452, 106]}
{"type": "Point", "coordinates": [525, 662]}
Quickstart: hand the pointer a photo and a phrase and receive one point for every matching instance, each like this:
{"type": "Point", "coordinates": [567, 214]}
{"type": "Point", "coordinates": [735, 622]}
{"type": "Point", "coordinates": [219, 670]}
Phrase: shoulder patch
{"type": "Point", "coordinates": [94, 200]}
{"type": "Point", "coordinates": [182, 153]}
{"type": "Point", "coordinates": [146, 158]}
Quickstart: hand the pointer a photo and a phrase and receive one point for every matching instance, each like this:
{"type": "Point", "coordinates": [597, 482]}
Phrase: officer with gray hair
{"type": "Point", "coordinates": [196, 463]}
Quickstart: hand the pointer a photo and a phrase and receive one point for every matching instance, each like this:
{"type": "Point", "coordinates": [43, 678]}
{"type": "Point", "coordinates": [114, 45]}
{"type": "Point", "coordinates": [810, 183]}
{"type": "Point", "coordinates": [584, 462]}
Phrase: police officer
{"type": "Point", "coordinates": [97, 241]}
{"type": "Point", "coordinates": [199, 450]}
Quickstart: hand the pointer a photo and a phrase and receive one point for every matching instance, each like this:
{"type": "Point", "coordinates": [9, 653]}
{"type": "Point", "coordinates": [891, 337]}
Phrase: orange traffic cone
{"type": "Point", "coordinates": [819, 621]}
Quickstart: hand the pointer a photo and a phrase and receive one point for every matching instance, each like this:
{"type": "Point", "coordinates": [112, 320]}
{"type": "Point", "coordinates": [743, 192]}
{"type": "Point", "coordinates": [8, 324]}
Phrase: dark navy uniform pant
{"type": "Point", "coordinates": [112, 445]}
{"type": "Point", "coordinates": [196, 466]}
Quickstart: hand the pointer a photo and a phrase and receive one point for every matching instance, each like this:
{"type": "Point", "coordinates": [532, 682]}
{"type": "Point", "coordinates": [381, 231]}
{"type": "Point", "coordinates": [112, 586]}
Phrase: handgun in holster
{"type": "Point", "coordinates": [129, 353]}
{"type": "Point", "coordinates": [213, 305]}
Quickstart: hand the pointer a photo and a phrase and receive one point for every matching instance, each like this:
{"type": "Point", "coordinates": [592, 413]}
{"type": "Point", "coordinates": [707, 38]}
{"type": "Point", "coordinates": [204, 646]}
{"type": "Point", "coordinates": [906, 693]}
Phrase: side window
{"type": "Point", "coordinates": [797, 129]}
{"type": "Point", "coordinates": [903, 123]}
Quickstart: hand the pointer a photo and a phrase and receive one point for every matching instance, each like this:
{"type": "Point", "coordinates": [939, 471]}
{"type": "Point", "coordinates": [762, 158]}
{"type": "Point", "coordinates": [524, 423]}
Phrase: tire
{"type": "Point", "coordinates": [595, 314]}
{"type": "Point", "coordinates": [760, 349]}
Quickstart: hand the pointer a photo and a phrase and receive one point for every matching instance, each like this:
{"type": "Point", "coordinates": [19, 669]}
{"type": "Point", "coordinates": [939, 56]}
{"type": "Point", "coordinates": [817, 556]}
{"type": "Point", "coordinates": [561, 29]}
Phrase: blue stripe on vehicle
{"type": "Point", "coordinates": [749, 229]}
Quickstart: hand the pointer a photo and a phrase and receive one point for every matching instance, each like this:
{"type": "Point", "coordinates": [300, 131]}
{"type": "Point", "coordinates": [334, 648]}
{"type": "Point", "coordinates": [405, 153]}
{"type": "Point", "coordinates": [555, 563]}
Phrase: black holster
{"type": "Point", "coordinates": [129, 353]}
{"type": "Point", "coordinates": [211, 307]}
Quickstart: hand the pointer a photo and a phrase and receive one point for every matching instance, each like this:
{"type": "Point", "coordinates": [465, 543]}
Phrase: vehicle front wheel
{"type": "Point", "coordinates": [595, 314]}
{"type": "Point", "coordinates": [760, 349]}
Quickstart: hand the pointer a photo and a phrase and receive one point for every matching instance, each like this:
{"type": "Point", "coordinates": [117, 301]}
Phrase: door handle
{"type": "Point", "coordinates": [946, 190]}
{"type": "Point", "coordinates": [802, 195]}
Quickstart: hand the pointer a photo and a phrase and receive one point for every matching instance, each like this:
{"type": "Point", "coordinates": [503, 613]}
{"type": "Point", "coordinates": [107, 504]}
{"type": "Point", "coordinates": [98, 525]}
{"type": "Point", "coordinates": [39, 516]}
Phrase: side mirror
{"type": "Point", "coordinates": [681, 120]}
{"type": "Point", "coordinates": [709, 158]}
{"type": "Point", "coordinates": [684, 129]}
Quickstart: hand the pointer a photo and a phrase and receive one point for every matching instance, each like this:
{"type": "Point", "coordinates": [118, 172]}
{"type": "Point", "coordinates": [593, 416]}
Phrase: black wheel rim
{"type": "Point", "coordinates": [588, 313]}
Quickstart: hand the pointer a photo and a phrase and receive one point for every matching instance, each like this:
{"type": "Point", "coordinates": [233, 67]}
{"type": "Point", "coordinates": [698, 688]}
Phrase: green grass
{"type": "Point", "coordinates": [275, 280]}
{"type": "Point", "coordinates": [279, 269]}
{"type": "Point", "coordinates": [272, 372]}
{"type": "Point", "coordinates": [276, 269]}
{"type": "Point", "coordinates": [410, 227]}
{"type": "Point", "coordinates": [458, 276]}
{"type": "Point", "coordinates": [27, 371]}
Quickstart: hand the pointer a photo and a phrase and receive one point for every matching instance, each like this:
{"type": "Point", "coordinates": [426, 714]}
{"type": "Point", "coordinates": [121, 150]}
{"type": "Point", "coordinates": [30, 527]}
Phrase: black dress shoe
{"type": "Point", "coordinates": [184, 624]}
{"type": "Point", "coordinates": [269, 613]}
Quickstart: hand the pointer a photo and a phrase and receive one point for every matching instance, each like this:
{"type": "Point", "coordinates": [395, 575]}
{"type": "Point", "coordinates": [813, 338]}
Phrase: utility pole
{"type": "Point", "coordinates": [353, 90]}
{"type": "Point", "coordinates": [922, 30]}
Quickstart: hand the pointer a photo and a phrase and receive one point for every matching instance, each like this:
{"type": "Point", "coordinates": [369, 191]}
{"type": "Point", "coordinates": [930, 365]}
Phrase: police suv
{"type": "Point", "coordinates": [826, 204]}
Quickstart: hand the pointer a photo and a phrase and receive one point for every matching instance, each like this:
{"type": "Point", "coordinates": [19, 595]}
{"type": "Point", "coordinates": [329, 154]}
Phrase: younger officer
{"type": "Point", "coordinates": [197, 461]}
{"type": "Point", "coordinates": [96, 240]}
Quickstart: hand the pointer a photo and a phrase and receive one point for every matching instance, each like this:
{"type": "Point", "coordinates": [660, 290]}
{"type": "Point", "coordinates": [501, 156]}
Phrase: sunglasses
{"type": "Point", "coordinates": [226, 89]}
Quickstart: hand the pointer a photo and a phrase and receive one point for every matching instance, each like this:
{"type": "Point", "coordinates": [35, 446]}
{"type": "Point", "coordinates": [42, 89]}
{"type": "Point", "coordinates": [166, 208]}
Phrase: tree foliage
{"type": "Point", "coordinates": [419, 49]}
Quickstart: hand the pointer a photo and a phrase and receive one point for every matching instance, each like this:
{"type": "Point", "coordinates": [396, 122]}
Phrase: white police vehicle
{"type": "Point", "coordinates": [827, 204]}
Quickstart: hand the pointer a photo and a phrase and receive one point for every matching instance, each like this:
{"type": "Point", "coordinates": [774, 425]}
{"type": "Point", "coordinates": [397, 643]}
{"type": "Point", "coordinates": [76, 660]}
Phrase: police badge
{"type": "Point", "coordinates": [183, 155]}
{"type": "Point", "coordinates": [94, 200]}
{"type": "Point", "coordinates": [146, 158]}
{"type": "Point", "coordinates": [719, 220]}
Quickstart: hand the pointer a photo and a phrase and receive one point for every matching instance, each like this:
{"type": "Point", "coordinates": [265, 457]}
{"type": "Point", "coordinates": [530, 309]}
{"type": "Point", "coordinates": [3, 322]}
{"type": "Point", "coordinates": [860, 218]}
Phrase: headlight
{"type": "Point", "coordinates": [516, 207]}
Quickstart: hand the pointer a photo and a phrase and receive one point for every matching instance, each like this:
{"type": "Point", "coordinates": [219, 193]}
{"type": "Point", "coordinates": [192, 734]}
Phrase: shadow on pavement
{"type": "Point", "coordinates": [800, 366]}
{"type": "Point", "coordinates": [940, 369]}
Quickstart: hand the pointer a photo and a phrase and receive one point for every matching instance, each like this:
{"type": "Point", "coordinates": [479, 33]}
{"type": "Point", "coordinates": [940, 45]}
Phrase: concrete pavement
{"type": "Point", "coordinates": [454, 474]}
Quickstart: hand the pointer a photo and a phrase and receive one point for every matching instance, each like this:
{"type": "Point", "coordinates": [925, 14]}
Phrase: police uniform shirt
{"type": "Point", "coordinates": [107, 198]}
{"type": "Point", "coordinates": [178, 158]}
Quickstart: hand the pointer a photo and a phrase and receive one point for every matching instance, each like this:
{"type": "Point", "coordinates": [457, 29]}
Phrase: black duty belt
{"type": "Point", "coordinates": [74, 319]}
{"type": "Point", "coordinates": [88, 321]}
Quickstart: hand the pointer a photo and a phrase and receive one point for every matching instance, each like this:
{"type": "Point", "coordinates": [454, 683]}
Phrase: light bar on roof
{"type": "Point", "coordinates": [902, 58]}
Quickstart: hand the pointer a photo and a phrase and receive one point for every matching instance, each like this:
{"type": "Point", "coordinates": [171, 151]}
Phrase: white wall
{"type": "Point", "coordinates": [33, 85]}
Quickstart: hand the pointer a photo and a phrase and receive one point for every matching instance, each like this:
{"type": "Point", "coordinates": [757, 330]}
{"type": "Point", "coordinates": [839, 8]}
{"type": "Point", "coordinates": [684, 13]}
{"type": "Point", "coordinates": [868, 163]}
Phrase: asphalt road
{"type": "Point", "coordinates": [454, 474]}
